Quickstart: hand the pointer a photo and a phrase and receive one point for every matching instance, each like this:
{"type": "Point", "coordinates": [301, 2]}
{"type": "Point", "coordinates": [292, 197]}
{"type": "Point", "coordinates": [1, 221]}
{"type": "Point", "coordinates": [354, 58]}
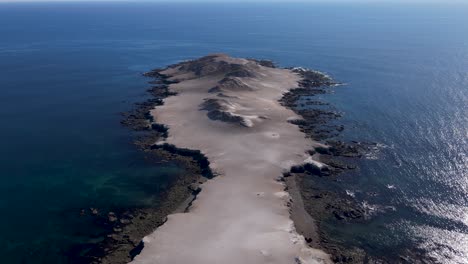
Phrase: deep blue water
{"type": "Point", "coordinates": [68, 69]}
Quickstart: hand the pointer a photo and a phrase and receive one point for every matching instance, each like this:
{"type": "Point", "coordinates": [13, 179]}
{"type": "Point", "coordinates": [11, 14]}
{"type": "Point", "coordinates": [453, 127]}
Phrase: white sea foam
{"type": "Point", "coordinates": [315, 163]}
{"type": "Point", "coordinates": [350, 193]}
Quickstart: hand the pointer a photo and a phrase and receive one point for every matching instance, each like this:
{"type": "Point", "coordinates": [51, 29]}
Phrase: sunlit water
{"type": "Point", "coordinates": [67, 70]}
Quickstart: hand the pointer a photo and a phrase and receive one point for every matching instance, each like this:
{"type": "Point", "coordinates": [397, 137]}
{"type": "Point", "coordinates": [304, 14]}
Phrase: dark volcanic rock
{"type": "Point", "coordinates": [210, 65]}
{"type": "Point", "coordinates": [265, 63]}
{"type": "Point", "coordinates": [230, 84]}
{"type": "Point", "coordinates": [312, 78]}
{"type": "Point", "coordinates": [219, 109]}
{"type": "Point", "coordinates": [241, 70]}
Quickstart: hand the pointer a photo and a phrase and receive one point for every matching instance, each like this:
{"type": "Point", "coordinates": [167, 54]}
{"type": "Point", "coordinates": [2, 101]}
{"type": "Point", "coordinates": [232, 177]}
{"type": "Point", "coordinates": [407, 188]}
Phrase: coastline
{"type": "Point", "coordinates": [318, 192]}
{"type": "Point", "coordinates": [125, 245]}
{"type": "Point", "coordinates": [128, 227]}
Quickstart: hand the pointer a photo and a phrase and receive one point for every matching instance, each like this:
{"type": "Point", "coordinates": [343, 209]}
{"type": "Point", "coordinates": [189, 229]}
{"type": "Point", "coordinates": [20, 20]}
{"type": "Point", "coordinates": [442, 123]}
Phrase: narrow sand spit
{"type": "Point", "coordinates": [228, 108]}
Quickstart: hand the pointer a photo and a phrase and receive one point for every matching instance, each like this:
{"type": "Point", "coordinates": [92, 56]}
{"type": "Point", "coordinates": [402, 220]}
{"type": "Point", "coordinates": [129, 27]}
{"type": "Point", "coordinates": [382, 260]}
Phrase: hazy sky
{"type": "Point", "coordinates": [285, 1]}
{"type": "Point", "coordinates": [401, 1]}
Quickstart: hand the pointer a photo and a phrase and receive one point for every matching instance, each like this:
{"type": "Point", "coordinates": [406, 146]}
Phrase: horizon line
{"type": "Point", "coordinates": [444, 2]}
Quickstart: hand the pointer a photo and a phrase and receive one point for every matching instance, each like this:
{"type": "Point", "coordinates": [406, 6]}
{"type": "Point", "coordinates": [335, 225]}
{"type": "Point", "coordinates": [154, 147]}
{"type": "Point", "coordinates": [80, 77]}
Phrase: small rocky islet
{"type": "Point", "coordinates": [333, 156]}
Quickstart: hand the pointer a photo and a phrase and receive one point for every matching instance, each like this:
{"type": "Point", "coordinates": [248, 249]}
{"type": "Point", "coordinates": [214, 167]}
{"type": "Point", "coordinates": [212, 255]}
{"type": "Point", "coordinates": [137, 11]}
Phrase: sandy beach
{"type": "Point", "coordinates": [228, 109]}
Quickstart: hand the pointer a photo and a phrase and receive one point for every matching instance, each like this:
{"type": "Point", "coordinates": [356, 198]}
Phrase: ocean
{"type": "Point", "coordinates": [67, 71]}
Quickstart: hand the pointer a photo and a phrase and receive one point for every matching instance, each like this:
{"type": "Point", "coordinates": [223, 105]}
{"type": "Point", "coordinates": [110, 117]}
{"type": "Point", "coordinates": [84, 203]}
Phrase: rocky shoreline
{"type": "Point", "coordinates": [319, 197]}
{"type": "Point", "coordinates": [127, 227]}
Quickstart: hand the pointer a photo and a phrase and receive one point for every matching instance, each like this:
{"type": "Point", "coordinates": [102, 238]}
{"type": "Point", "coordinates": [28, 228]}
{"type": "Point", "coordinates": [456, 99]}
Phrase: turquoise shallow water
{"type": "Point", "coordinates": [68, 69]}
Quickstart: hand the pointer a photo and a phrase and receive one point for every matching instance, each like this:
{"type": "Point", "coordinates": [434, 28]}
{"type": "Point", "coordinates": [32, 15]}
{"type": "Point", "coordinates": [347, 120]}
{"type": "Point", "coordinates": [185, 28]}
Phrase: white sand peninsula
{"type": "Point", "coordinates": [228, 109]}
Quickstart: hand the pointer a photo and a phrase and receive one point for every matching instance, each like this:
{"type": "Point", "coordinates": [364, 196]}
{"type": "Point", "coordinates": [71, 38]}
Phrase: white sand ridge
{"type": "Point", "coordinates": [242, 215]}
